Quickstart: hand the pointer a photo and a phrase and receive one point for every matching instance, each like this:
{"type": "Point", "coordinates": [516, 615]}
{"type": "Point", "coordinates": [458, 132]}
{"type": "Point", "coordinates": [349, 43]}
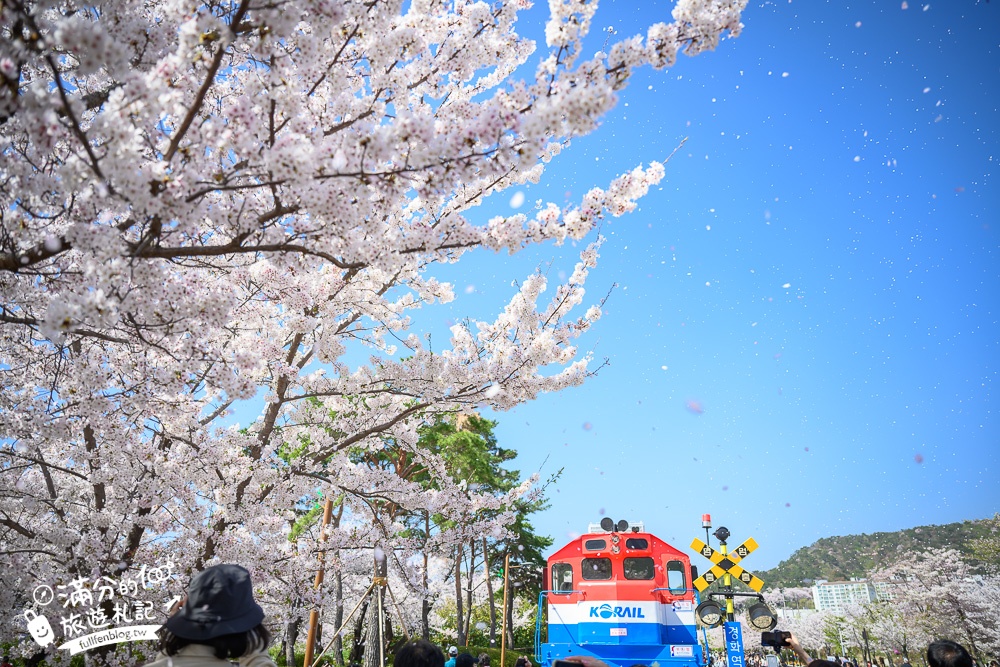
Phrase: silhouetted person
{"type": "Point", "coordinates": [419, 653]}
{"type": "Point", "coordinates": [946, 653]}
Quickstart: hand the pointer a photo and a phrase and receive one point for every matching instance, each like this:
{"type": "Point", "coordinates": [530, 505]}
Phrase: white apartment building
{"type": "Point", "coordinates": [837, 595]}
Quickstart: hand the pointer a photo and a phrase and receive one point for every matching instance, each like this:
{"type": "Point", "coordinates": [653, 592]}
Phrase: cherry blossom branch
{"type": "Point", "coordinates": [325, 453]}
{"type": "Point", "coordinates": [195, 108]}
{"type": "Point", "coordinates": [17, 528]}
{"type": "Point", "coordinates": [74, 124]}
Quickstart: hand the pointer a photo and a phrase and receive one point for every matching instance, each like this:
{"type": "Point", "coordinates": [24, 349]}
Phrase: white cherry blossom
{"type": "Point", "coordinates": [207, 205]}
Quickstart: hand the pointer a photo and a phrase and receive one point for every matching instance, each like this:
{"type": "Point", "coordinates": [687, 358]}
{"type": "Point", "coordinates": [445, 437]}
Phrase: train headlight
{"type": "Point", "coordinates": [761, 617]}
{"type": "Point", "coordinates": [615, 539]}
{"type": "Point", "coordinates": [709, 613]}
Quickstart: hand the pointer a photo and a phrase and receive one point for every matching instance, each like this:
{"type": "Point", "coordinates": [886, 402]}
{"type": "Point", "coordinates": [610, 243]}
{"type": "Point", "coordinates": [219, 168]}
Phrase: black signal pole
{"type": "Point", "coordinates": [722, 534]}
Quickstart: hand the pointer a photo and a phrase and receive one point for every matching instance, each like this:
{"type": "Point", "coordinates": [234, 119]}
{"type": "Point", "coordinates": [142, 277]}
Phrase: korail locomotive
{"type": "Point", "coordinates": [621, 595]}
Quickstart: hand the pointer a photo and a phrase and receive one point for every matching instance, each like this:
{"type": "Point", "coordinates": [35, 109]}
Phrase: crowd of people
{"type": "Point", "coordinates": [219, 622]}
{"type": "Point", "coordinates": [941, 653]}
{"type": "Point", "coordinates": [422, 653]}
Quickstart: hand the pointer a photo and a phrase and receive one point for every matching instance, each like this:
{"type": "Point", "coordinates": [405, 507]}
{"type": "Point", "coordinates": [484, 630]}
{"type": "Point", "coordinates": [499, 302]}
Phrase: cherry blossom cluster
{"type": "Point", "coordinates": [208, 206]}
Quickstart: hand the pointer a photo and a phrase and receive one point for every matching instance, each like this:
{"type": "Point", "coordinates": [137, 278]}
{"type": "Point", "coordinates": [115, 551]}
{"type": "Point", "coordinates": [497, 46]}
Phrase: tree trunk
{"type": "Point", "coordinates": [489, 594]}
{"type": "Point", "coordinates": [425, 603]}
{"type": "Point", "coordinates": [373, 642]}
{"type": "Point", "coordinates": [288, 641]}
{"type": "Point", "coordinates": [468, 585]}
{"type": "Point", "coordinates": [338, 618]}
{"type": "Point", "coordinates": [459, 608]}
{"type": "Point", "coordinates": [378, 631]}
{"type": "Point", "coordinates": [358, 645]}
{"type": "Point", "coordinates": [338, 591]}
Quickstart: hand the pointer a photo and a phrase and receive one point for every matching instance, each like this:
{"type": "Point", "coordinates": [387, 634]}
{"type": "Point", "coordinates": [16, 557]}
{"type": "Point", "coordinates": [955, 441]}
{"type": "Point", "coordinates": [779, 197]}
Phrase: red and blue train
{"type": "Point", "coordinates": [621, 595]}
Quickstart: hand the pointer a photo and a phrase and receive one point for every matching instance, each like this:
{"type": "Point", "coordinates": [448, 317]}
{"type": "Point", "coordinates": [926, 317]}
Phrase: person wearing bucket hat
{"type": "Point", "coordinates": [219, 621]}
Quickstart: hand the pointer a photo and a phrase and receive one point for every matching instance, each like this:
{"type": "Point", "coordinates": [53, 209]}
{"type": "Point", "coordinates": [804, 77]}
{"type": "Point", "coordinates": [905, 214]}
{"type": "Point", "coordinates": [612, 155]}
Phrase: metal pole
{"type": "Point", "coordinates": [503, 624]}
{"type": "Point", "coordinates": [381, 580]}
{"type": "Point", "coordinates": [727, 582]}
{"type": "Point", "coordinates": [314, 613]}
{"type": "Point", "coordinates": [381, 629]}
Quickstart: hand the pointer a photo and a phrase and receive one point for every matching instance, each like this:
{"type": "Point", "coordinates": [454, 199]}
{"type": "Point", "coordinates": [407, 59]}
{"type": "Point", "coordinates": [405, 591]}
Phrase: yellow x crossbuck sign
{"type": "Point", "coordinates": [722, 565]}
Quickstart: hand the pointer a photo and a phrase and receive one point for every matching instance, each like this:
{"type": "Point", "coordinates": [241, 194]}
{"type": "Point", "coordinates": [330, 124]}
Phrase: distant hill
{"type": "Point", "coordinates": [839, 558]}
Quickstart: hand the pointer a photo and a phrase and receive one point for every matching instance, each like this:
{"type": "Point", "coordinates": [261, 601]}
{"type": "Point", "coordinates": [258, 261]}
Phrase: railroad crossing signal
{"type": "Point", "coordinates": [726, 564]}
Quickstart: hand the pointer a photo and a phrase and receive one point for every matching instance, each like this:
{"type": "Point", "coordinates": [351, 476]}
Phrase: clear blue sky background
{"type": "Point", "coordinates": [803, 340]}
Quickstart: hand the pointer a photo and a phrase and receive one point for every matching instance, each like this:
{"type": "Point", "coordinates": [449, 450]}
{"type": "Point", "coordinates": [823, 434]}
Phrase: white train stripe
{"type": "Point", "coordinates": [619, 612]}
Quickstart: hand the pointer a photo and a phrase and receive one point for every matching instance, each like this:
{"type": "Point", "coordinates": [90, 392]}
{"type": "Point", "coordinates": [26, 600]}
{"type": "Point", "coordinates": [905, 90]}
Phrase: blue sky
{"type": "Point", "coordinates": [803, 339]}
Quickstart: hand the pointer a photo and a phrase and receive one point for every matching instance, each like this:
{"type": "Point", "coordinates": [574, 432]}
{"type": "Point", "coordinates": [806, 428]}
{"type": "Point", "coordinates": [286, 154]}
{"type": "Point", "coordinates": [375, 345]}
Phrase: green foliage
{"type": "Point", "coordinates": [446, 610]}
{"type": "Point", "coordinates": [287, 451]}
{"type": "Point", "coordinates": [524, 633]}
{"type": "Point", "coordinates": [840, 558]}
{"type": "Point", "coordinates": [278, 656]}
{"type": "Point", "coordinates": [527, 549]}
{"type": "Point", "coordinates": [471, 452]}
{"type": "Point", "coordinates": [986, 549]}
{"type": "Point", "coordinates": [305, 521]}
{"type": "Point", "coordinates": [832, 633]}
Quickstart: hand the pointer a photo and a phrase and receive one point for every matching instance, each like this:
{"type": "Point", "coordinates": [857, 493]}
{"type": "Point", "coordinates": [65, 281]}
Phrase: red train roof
{"type": "Point", "coordinates": [615, 546]}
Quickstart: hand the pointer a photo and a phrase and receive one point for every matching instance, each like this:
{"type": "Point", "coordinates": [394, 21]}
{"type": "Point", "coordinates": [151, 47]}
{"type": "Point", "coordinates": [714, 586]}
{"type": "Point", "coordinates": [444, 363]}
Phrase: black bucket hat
{"type": "Point", "coordinates": [219, 602]}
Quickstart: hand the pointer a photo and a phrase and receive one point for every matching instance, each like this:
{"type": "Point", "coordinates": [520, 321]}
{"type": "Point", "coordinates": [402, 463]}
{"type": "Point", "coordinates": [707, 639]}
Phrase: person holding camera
{"type": "Point", "coordinates": [793, 643]}
{"type": "Point", "coordinates": [779, 639]}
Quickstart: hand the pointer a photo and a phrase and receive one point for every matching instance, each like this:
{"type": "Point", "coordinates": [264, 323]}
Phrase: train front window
{"type": "Point", "coordinates": [562, 577]}
{"type": "Point", "coordinates": [675, 577]}
{"type": "Point", "coordinates": [595, 545]}
{"type": "Point", "coordinates": [638, 568]}
{"type": "Point", "coordinates": [595, 568]}
{"type": "Point", "coordinates": [636, 543]}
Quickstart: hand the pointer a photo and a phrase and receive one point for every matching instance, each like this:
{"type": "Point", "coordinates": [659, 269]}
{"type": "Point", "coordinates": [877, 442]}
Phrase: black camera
{"type": "Point", "coordinates": [776, 639]}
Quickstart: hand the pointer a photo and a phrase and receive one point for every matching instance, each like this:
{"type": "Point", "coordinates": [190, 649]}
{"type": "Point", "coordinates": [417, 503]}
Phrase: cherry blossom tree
{"type": "Point", "coordinates": [938, 595]}
{"type": "Point", "coordinates": [207, 203]}
{"type": "Point", "coordinates": [987, 549]}
{"type": "Point", "coordinates": [809, 628]}
{"type": "Point", "coordinates": [787, 599]}
{"type": "Point", "coordinates": [893, 634]}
